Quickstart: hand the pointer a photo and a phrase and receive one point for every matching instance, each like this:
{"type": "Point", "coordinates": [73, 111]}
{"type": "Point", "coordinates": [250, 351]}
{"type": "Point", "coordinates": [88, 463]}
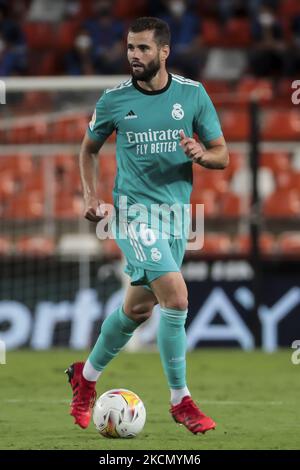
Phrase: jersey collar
{"type": "Point", "coordinates": [154, 92]}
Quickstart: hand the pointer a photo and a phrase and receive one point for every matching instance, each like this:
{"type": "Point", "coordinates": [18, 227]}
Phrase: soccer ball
{"type": "Point", "coordinates": [119, 413]}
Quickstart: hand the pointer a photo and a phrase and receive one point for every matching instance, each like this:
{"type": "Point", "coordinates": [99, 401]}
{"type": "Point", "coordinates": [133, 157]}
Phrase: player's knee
{"type": "Point", "coordinates": [141, 312]}
{"type": "Point", "coordinates": [176, 302]}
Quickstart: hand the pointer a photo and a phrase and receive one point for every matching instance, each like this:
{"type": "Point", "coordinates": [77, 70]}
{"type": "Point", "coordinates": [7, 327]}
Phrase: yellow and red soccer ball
{"type": "Point", "coordinates": [119, 413]}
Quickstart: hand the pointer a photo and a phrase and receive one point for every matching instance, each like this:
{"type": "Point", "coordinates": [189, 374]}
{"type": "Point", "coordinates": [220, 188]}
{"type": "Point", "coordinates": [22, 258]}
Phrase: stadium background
{"type": "Point", "coordinates": [56, 59]}
{"type": "Point", "coordinates": [58, 281]}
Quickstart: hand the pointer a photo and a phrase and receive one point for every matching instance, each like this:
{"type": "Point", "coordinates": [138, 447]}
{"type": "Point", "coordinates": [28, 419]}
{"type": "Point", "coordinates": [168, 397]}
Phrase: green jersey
{"type": "Point", "coordinates": [152, 168]}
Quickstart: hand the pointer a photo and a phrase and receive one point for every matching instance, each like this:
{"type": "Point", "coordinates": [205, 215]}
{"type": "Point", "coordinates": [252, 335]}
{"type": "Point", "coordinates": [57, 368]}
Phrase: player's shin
{"type": "Point", "coordinates": [116, 331]}
{"type": "Point", "coordinates": [171, 339]}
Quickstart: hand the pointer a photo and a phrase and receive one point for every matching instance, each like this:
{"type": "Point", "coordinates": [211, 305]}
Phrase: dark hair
{"type": "Point", "coordinates": [161, 29]}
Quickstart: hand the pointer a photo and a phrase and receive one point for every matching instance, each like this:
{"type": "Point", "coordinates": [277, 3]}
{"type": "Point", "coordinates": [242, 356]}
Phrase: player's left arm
{"type": "Point", "coordinates": [214, 156]}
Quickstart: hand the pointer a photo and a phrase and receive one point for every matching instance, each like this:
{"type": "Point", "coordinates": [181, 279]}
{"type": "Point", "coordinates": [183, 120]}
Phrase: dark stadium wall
{"type": "Point", "coordinates": [220, 306]}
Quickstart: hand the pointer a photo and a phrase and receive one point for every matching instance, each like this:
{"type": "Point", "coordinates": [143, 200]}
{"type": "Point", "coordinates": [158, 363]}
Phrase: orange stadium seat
{"type": "Point", "coordinates": [289, 8]}
{"type": "Point", "coordinates": [39, 35]}
{"type": "Point", "coordinates": [35, 245]}
{"type": "Point", "coordinates": [7, 183]}
{"type": "Point", "coordinates": [235, 124]}
{"type": "Point", "coordinates": [237, 160]}
{"type": "Point", "coordinates": [110, 249]}
{"type": "Point", "coordinates": [206, 197]}
{"type": "Point", "coordinates": [277, 161]}
{"type": "Point", "coordinates": [35, 181]}
{"type": "Point", "coordinates": [289, 243]}
{"type": "Point", "coordinates": [281, 125]}
{"type": "Point", "coordinates": [66, 33]}
{"type": "Point", "coordinates": [211, 33]}
{"type": "Point", "coordinates": [249, 86]}
{"type": "Point", "coordinates": [288, 180]}
{"type": "Point", "coordinates": [5, 246]}
{"type": "Point", "coordinates": [237, 33]}
{"type": "Point", "coordinates": [267, 243]}
{"type": "Point", "coordinates": [107, 166]}
{"type": "Point", "coordinates": [211, 180]}
{"type": "Point", "coordinates": [105, 194]}
{"type": "Point", "coordinates": [67, 161]}
{"type": "Point", "coordinates": [232, 205]}
{"type": "Point", "coordinates": [68, 206]}
{"type": "Point", "coordinates": [282, 204]}
{"type": "Point", "coordinates": [26, 205]}
{"type": "Point", "coordinates": [216, 244]}
{"type": "Point", "coordinates": [125, 9]}
{"type": "Point", "coordinates": [216, 87]}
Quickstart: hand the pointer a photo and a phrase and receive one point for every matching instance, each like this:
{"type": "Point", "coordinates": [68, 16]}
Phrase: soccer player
{"type": "Point", "coordinates": [155, 114]}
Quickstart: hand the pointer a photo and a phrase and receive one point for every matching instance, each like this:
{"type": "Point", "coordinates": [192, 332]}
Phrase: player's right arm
{"type": "Point", "coordinates": [100, 127]}
{"type": "Point", "coordinates": [88, 173]}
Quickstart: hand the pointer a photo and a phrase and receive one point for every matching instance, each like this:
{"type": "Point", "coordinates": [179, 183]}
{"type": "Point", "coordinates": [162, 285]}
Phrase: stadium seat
{"type": "Point", "coordinates": [289, 8]}
{"type": "Point", "coordinates": [235, 124]}
{"type": "Point", "coordinates": [282, 204]}
{"type": "Point", "coordinates": [236, 33]}
{"type": "Point", "coordinates": [233, 206]}
{"type": "Point", "coordinates": [105, 194]}
{"type": "Point", "coordinates": [276, 161]}
{"type": "Point", "coordinates": [67, 161]}
{"type": "Point", "coordinates": [5, 246]}
{"type": "Point", "coordinates": [241, 182]}
{"type": "Point", "coordinates": [210, 180]}
{"type": "Point", "coordinates": [216, 244]}
{"type": "Point", "coordinates": [237, 160]}
{"type": "Point", "coordinates": [107, 166]}
{"type": "Point", "coordinates": [206, 197]}
{"type": "Point", "coordinates": [110, 249]}
{"type": "Point", "coordinates": [211, 33]}
{"type": "Point", "coordinates": [128, 10]}
{"type": "Point", "coordinates": [39, 35]}
{"type": "Point", "coordinates": [68, 206]}
{"type": "Point", "coordinates": [66, 33]}
{"type": "Point", "coordinates": [35, 245]}
{"type": "Point", "coordinates": [36, 180]}
{"type": "Point", "coordinates": [289, 243]}
{"type": "Point", "coordinates": [7, 183]}
{"type": "Point", "coordinates": [267, 243]}
{"type": "Point", "coordinates": [283, 124]}
{"type": "Point", "coordinates": [69, 129]}
{"type": "Point", "coordinates": [288, 180]}
{"type": "Point", "coordinates": [25, 206]}
{"type": "Point", "coordinates": [249, 87]}
{"type": "Point", "coordinates": [216, 87]}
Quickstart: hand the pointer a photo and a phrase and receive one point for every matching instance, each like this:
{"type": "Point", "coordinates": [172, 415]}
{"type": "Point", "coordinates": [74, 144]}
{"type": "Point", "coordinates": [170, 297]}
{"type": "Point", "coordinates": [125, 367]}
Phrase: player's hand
{"type": "Point", "coordinates": [92, 209]}
{"type": "Point", "coordinates": [191, 147]}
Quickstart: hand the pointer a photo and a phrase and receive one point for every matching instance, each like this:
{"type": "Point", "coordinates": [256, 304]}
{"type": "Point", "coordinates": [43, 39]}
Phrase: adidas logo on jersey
{"type": "Point", "coordinates": [130, 115]}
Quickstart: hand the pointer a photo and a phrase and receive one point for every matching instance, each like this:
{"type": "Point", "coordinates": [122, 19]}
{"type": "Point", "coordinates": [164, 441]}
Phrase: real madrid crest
{"type": "Point", "coordinates": [177, 112]}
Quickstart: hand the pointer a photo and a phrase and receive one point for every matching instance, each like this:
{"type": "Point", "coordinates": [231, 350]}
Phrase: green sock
{"type": "Point", "coordinates": [171, 340]}
{"type": "Point", "coordinates": [116, 331]}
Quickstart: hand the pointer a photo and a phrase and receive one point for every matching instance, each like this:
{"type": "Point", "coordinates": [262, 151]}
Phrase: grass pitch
{"type": "Point", "coordinates": [253, 397]}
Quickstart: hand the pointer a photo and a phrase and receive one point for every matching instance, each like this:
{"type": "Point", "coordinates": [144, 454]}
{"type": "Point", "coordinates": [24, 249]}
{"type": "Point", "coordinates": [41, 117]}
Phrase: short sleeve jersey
{"type": "Point", "coordinates": [152, 168]}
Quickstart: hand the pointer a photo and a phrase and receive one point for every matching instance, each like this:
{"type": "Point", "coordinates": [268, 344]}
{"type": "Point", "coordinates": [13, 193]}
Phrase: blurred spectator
{"type": "Point", "coordinates": [186, 52]}
{"type": "Point", "coordinates": [107, 35]}
{"type": "Point", "coordinates": [293, 56]}
{"type": "Point", "coordinates": [267, 55]}
{"type": "Point", "coordinates": [12, 45]}
{"type": "Point", "coordinates": [72, 9]}
{"type": "Point", "coordinates": [79, 60]}
{"type": "Point", "coordinates": [228, 9]}
{"type": "Point", "coordinates": [46, 10]}
{"type": "Point", "coordinates": [12, 59]}
{"type": "Point", "coordinates": [9, 29]}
